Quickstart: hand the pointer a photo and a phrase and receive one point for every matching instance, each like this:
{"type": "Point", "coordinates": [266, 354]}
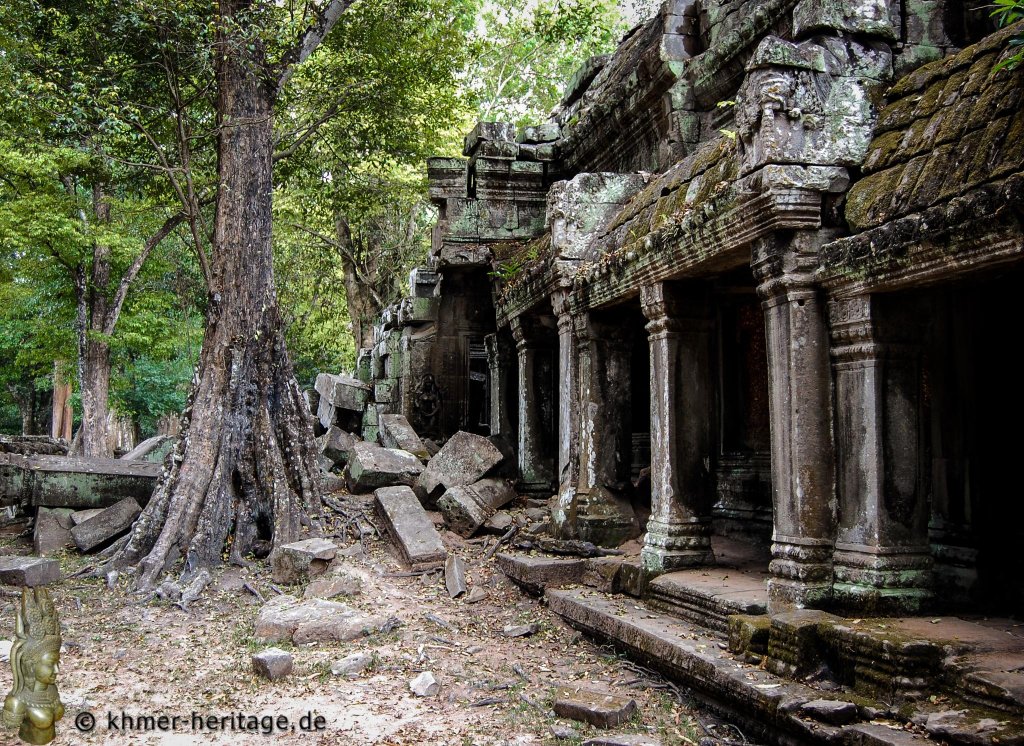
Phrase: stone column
{"type": "Point", "coordinates": [568, 411]}
{"type": "Point", "coordinates": [501, 360]}
{"type": "Point", "coordinates": [679, 332]}
{"type": "Point", "coordinates": [535, 465]}
{"type": "Point", "coordinates": [800, 403]}
{"type": "Point", "coordinates": [882, 560]}
{"type": "Point", "coordinates": [603, 514]}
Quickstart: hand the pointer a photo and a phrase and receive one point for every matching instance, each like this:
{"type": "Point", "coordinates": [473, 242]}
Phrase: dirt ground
{"type": "Point", "coordinates": [144, 657]}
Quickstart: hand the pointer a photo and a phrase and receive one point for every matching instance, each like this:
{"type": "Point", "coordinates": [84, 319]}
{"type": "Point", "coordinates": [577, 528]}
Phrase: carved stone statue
{"type": "Point", "coordinates": [34, 706]}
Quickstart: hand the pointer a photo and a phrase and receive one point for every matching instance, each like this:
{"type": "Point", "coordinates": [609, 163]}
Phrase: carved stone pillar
{"type": "Point", "coordinates": [882, 559]}
{"type": "Point", "coordinates": [568, 411]}
{"type": "Point", "coordinates": [501, 357]}
{"type": "Point", "coordinates": [800, 403]}
{"type": "Point", "coordinates": [679, 332]}
{"type": "Point", "coordinates": [602, 513]}
{"type": "Point", "coordinates": [536, 463]}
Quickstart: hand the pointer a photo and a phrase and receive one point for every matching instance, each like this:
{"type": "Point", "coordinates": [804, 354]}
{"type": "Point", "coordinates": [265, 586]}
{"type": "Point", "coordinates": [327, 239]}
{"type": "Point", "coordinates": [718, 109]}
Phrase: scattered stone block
{"type": "Point", "coordinates": [302, 560]}
{"type": "Point", "coordinates": [285, 618]}
{"type": "Point", "coordinates": [51, 532]}
{"type": "Point", "coordinates": [66, 482]}
{"type": "Point", "coordinates": [521, 630]}
{"type": "Point", "coordinates": [272, 663]}
{"type": "Point", "coordinates": [563, 732]}
{"type": "Point", "coordinates": [107, 525]}
{"type": "Point", "coordinates": [409, 525]}
{"type": "Point", "coordinates": [28, 572]}
{"type": "Point", "coordinates": [425, 685]}
{"type": "Point", "coordinates": [81, 516]}
{"type": "Point", "coordinates": [831, 711]}
{"type": "Point", "coordinates": [342, 392]}
{"type": "Point", "coordinates": [455, 576]}
{"type": "Point", "coordinates": [476, 595]}
{"type": "Point", "coordinates": [336, 444]}
{"type": "Point", "coordinates": [351, 665]}
{"type": "Point", "coordinates": [371, 467]}
{"type": "Point", "coordinates": [600, 709]}
{"type": "Point", "coordinates": [623, 739]}
{"type": "Point", "coordinates": [468, 507]}
{"type": "Point", "coordinates": [499, 523]}
{"type": "Point", "coordinates": [153, 450]}
{"type": "Point", "coordinates": [334, 584]}
{"type": "Point", "coordinates": [464, 459]}
{"type": "Point", "coordinates": [396, 432]}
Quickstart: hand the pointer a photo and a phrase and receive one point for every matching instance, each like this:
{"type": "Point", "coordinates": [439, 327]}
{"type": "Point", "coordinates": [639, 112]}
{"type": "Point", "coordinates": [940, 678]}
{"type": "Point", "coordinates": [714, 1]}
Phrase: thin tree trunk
{"type": "Point", "coordinates": [362, 307]}
{"type": "Point", "coordinates": [95, 387]}
{"type": "Point", "coordinates": [60, 426]}
{"type": "Point", "coordinates": [245, 466]}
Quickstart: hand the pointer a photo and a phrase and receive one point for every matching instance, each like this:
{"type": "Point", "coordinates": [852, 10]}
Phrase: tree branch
{"type": "Point", "coordinates": [133, 271]}
{"type": "Point", "coordinates": [311, 39]}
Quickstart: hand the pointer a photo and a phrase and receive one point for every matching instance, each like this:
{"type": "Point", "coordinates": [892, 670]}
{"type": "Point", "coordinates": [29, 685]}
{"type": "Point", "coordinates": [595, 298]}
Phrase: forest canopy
{"type": "Point", "coordinates": [108, 168]}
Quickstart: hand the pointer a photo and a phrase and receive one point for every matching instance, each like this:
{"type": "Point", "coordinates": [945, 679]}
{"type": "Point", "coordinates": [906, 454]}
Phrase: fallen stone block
{"type": "Point", "coordinates": [623, 739]}
{"type": "Point", "coordinates": [301, 561]}
{"type": "Point", "coordinates": [600, 709]}
{"type": "Point", "coordinates": [476, 595]}
{"type": "Point", "coordinates": [109, 524]}
{"type": "Point", "coordinates": [342, 392]}
{"type": "Point", "coordinates": [153, 450]}
{"type": "Point", "coordinates": [521, 630]}
{"type": "Point", "coordinates": [352, 664]}
{"type": "Point", "coordinates": [28, 572]}
{"type": "Point", "coordinates": [467, 508]}
{"type": "Point", "coordinates": [52, 532]}
{"type": "Point", "coordinates": [81, 516]}
{"type": "Point", "coordinates": [336, 445]}
{"type": "Point", "coordinates": [409, 525]}
{"type": "Point", "coordinates": [464, 459]}
{"type": "Point", "coordinates": [371, 467]}
{"type": "Point", "coordinates": [64, 482]}
{"type": "Point", "coordinates": [272, 663]}
{"type": "Point", "coordinates": [285, 618]}
{"type": "Point", "coordinates": [455, 576]}
{"type": "Point", "coordinates": [425, 685]}
{"type": "Point", "coordinates": [396, 432]}
{"type": "Point", "coordinates": [334, 584]}
{"type": "Point", "coordinates": [499, 523]}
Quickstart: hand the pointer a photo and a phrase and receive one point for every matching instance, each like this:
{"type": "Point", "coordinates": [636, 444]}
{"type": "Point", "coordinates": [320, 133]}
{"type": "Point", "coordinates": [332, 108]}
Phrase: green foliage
{"type": "Point", "coordinates": [525, 54]}
{"type": "Point", "coordinates": [1008, 12]}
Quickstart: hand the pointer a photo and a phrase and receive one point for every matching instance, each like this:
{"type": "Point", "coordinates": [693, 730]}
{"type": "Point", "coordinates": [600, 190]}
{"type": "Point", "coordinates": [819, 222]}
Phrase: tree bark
{"type": "Point", "coordinates": [245, 467]}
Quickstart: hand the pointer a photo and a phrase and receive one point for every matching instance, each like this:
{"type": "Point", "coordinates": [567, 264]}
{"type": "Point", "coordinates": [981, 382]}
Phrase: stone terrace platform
{"type": "Point", "coordinates": [801, 677]}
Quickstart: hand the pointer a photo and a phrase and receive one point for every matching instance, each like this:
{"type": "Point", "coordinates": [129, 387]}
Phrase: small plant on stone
{"type": "Point", "coordinates": [1008, 12]}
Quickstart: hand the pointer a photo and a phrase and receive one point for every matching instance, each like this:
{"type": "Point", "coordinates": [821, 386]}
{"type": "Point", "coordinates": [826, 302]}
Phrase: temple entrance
{"type": "Point", "coordinates": [973, 407]}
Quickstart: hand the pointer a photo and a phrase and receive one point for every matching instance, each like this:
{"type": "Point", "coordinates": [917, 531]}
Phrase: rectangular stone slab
{"type": "Point", "coordinates": [107, 525]}
{"type": "Point", "coordinates": [409, 525]}
{"type": "Point", "coordinates": [66, 482]}
{"type": "Point", "coordinates": [28, 571]}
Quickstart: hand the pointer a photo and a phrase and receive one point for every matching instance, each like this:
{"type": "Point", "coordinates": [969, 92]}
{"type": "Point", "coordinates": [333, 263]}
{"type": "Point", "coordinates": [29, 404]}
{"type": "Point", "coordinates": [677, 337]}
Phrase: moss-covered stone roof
{"type": "Point", "coordinates": [948, 128]}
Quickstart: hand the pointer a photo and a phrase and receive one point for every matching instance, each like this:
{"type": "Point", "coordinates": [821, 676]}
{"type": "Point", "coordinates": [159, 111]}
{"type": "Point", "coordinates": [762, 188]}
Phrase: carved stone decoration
{"type": "Point", "coordinates": [33, 706]}
{"type": "Point", "coordinates": [811, 103]}
{"type": "Point", "coordinates": [427, 406]}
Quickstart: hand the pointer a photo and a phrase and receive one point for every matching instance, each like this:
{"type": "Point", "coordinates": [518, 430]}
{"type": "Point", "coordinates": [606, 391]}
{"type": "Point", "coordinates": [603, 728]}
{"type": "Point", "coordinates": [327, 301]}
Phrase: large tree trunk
{"type": "Point", "coordinates": [245, 466]}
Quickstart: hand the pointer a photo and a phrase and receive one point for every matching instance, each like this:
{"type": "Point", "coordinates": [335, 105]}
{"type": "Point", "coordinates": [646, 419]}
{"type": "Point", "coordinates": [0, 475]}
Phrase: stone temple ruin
{"type": "Point", "coordinates": [744, 294]}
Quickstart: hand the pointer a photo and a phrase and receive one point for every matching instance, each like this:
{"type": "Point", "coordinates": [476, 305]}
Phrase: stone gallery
{"type": "Point", "coordinates": [743, 299]}
{"type": "Point", "coordinates": [751, 279]}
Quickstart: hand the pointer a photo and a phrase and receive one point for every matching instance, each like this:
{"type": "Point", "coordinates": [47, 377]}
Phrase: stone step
{"type": "Point", "coordinates": [707, 597]}
{"type": "Point", "coordinates": [766, 706]}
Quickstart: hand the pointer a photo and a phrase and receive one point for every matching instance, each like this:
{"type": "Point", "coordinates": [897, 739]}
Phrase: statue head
{"type": "Point", "coordinates": [34, 704]}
